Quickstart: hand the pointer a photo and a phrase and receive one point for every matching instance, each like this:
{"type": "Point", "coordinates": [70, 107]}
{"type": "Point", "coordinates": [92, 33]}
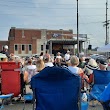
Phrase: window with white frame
{"type": "Point", "coordinates": [23, 47]}
{"type": "Point", "coordinates": [16, 47]}
{"type": "Point", "coordinates": [41, 47]}
{"type": "Point", "coordinates": [30, 47]}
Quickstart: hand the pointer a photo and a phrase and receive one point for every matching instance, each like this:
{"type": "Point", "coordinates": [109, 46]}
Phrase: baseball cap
{"type": "Point", "coordinates": [103, 62]}
{"type": "Point", "coordinates": [6, 47]}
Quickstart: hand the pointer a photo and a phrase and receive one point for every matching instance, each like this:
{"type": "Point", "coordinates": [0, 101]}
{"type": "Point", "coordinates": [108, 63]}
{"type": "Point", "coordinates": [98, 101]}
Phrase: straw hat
{"type": "Point", "coordinates": [92, 65]}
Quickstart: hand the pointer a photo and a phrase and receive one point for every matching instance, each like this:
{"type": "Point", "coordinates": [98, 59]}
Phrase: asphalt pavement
{"type": "Point", "coordinates": [28, 106]}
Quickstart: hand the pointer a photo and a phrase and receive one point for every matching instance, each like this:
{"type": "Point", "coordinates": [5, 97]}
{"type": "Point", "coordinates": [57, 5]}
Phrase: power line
{"type": "Point", "coordinates": [58, 24]}
{"type": "Point", "coordinates": [31, 15]}
{"type": "Point", "coordinates": [47, 3]}
{"type": "Point", "coordinates": [33, 6]}
{"type": "Point", "coordinates": [47, 16]}
{"type": "Point", "coordinates": [7, 5]}
{"type": "Point", "coordinates": [43, 3]}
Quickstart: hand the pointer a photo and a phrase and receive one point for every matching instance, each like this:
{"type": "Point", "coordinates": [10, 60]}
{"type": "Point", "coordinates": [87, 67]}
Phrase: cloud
{"type": "Point", "coordinates": [57, 14]}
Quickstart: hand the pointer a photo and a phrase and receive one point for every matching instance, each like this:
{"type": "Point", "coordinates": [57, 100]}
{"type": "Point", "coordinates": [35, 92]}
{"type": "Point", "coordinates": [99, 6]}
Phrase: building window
{"type": "Point", "coordinates": [16, 47]}
{"type": "Point", "coordinates": [30, 47]}
{"type": "Point", "coordinates": [23, 47]}
{"type": "Point", "coordinates": [41, 47]}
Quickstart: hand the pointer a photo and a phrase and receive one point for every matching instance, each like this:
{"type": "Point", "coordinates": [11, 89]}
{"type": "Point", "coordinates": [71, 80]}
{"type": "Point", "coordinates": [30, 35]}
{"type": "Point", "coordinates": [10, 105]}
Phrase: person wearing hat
{"type": "Point", "coordinates": [103, 64]}
{"type": "Point", "coordinates": [5, 51]}
{"type": "Point", "coordinates": [92, 65]}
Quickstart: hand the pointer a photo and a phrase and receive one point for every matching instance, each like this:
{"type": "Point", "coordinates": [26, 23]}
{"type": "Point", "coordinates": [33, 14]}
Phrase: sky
{"type": "Point", "coordinates": [56, 14]}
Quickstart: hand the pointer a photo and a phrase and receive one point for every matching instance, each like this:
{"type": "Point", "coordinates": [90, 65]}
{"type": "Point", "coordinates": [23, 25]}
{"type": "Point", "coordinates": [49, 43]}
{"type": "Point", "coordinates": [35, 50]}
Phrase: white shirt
{"type": "Point", "coordinates": [32, 70]}
{"type": "Point", "coordinates": [59, 57]}
{"type": "Point", "coordinates": [31, 67]}
{"type": "Point", "coordinates": [41, 57]}
{"type": "Point", "coordinates": [50, 64]}
{"type": "Point", "coordinates": [67, 56]}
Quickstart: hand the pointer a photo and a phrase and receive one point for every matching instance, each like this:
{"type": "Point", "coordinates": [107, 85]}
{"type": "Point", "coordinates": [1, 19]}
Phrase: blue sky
{"type": "Point", "coordinates": [55, 14]}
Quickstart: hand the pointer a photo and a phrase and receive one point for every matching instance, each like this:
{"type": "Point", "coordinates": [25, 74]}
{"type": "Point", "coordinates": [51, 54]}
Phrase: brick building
{"type": "Point", "coordinates": [25, 42]}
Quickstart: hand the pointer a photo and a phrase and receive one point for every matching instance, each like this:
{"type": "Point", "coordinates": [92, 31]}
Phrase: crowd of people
{"type": "Point", "coordinates": [82, 66]}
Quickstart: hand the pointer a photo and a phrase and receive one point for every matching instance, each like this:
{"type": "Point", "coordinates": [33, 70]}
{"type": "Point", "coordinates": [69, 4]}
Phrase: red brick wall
{"type": "Point", "coordinates": [19, 49]}
{"type": "Point", "coordinates": [30, 37]}
{"type": "Point", "coordinates": [26, 49]}
{"type": "Point", "coordinates": [34, 46]}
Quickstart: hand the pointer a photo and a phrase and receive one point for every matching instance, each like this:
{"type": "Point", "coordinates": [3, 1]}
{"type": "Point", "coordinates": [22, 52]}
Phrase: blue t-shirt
{"type": "Point", "coordinates": [74, 70]}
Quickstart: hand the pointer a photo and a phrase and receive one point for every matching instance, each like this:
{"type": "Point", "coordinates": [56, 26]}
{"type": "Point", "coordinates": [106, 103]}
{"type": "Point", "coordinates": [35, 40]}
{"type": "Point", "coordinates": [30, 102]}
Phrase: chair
{"type": "Point", "coordinates": [56, 88]}
{"type": "Point", "coordinates": [105, 98]}
{"type": "Point", "coordinates": [4, 97]}
{"type": "Point", "coordinates": [101, 80]}
{"type": "Point", "coordinates": [11, 78]}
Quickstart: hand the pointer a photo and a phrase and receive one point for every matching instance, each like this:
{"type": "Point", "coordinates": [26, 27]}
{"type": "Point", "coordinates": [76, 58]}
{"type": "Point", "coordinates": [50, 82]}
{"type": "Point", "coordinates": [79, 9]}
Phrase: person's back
{"type": "Point", "coordinates": [31, 69]}
{"type": "Point", "coordinates": [40, 65]}
{"type": "Point", "coordinates": [74, 70]}
{"type": "Point", "coordinates": [74, 61]}
{"type": "Point", "coordinates": [81, 63]}
{"type": "Point", "coordinates": [47, 54]}
{"type": "Point", "coordinates": [58, 59]}
{"type": "Point", "coordinates": [47, 62]}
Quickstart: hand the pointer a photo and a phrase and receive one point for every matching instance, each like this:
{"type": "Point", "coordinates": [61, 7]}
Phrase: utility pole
{"type": "Point", "coordinates": [106, 24]}
{"type": "Point", "coordinates": [77, 31]}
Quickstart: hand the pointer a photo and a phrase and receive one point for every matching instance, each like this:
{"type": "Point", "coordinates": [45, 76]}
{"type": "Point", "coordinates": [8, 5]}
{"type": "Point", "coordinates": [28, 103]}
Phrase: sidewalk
{"type": "Point", "coordinates": [28, 106]}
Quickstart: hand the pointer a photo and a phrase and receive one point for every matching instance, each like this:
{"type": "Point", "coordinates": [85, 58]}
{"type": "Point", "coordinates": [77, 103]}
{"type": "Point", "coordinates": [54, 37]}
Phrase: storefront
{"type": "Point", "coordinates": [62, 45]}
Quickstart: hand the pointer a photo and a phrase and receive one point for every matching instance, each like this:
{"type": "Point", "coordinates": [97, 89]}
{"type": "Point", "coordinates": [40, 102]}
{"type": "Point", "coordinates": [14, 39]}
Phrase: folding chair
{"type": "Point", "coordinates": [56, 88]}
{"type": "Point", "coordinates": [11, 80]}
{"type": "Point", "coordinates": [105, 98]}
{"type": "Point", "coordinates": [101, 80]}
{"type": "Point", "coordinates": [4, 97]}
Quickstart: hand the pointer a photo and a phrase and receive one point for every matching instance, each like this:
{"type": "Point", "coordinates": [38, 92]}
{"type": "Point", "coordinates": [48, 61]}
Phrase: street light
{"type": "Point", "coordinates": [77, 32]}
